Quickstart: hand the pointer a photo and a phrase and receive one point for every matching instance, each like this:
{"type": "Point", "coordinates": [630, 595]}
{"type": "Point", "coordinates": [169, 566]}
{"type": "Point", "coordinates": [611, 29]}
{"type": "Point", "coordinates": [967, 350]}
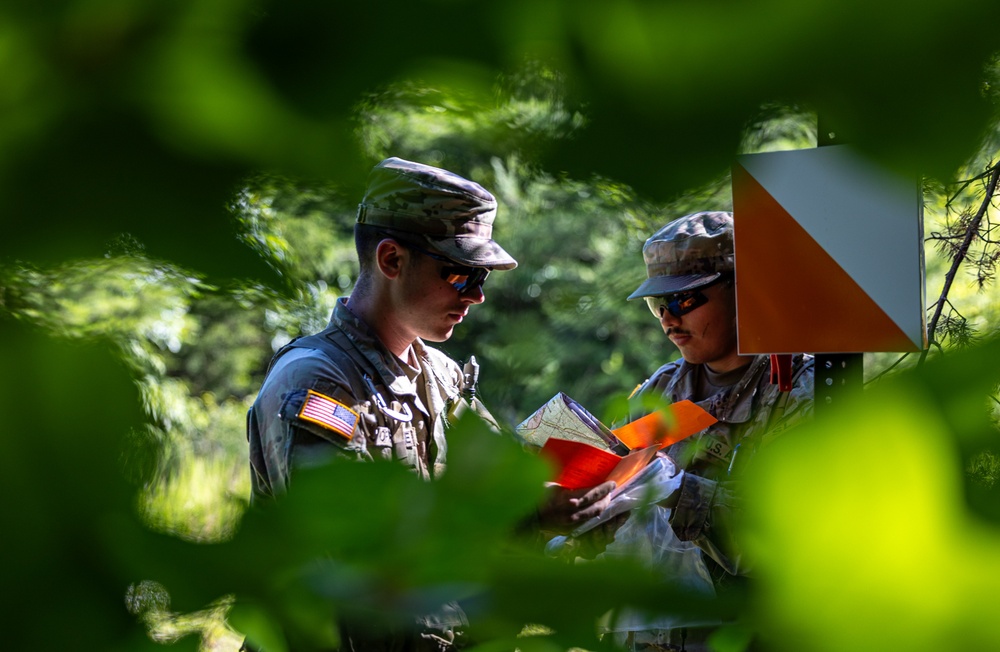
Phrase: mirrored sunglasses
{"type": "Point", "coordinates": [677, 304]}
{"type": "Point", "coordinates": [463, 277]}
{"type": "Point", "coordinates": [460, 277]}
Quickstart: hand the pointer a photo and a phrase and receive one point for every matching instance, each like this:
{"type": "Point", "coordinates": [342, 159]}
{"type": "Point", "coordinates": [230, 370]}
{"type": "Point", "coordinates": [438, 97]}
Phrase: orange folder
{"type": "Point", "coordinates": [687, 419]}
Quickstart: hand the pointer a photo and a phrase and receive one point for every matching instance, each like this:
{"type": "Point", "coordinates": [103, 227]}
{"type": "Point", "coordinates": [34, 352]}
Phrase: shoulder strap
{"type": "Point", "coordinates": [334, 344]}
{"type": "Point", "coordinates": [302, 342]}
{"type": "Point", "coordinates": [280, 352]}
{"type": "Point", "coordinates": [780, 405]}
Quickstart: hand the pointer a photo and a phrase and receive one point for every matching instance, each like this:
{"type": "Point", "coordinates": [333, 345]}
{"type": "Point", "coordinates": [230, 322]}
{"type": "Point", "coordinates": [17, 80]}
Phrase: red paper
{"type": "Point", "coordinates": [582, 465]}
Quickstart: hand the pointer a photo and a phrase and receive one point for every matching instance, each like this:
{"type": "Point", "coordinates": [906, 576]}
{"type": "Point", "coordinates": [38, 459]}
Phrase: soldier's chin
{"type": "Point", "coordinates": [440, 336]}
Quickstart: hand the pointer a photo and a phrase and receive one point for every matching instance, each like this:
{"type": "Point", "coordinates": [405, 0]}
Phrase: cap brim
{"type": "Point", "coordinates": [476, 252]}
{"type": "Point", "coordinates": [661, 285]}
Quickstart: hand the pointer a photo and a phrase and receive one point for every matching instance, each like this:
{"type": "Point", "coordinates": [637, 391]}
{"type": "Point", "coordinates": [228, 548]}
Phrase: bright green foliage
{"type": "Point", "coordinates": [866, 514]}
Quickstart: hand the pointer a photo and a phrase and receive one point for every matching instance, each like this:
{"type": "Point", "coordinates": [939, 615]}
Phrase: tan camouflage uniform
{"type": "Point", "coordinates": [335, 363]}
{"type": "Point", "coordinates": [751, 413]}
{"type": "Point", "coordinates": [383, 407]}
{"type": "Point", "coordinates": [687, 254]}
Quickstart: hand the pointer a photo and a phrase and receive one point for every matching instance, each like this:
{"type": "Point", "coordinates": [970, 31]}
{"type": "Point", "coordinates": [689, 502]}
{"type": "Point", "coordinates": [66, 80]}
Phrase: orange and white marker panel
{"type": "Point", "coordinates": [829, 254]}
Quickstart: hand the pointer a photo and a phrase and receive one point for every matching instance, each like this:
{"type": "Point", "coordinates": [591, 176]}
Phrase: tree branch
{"type": "Point", "coordinates": [888, 369]}
{"type": "Point", "coordinates": [963, 251]}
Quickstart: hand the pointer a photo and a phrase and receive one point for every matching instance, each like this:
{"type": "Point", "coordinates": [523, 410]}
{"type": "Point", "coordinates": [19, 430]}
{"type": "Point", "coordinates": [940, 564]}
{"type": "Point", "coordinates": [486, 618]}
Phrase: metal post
{"type": "Point", "coordinates": [838, 377]}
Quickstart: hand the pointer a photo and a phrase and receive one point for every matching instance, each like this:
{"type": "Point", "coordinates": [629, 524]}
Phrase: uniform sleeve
{"type": "Point", "coordinates": [305, 414]}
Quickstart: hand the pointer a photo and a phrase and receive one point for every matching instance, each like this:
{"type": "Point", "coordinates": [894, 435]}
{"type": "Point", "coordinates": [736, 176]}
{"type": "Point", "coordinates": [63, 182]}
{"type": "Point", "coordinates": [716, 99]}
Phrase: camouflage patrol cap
{"type": "Point", "coordinates": [438, 209]}
{"type": "Point", "coordinates": [688, 253]}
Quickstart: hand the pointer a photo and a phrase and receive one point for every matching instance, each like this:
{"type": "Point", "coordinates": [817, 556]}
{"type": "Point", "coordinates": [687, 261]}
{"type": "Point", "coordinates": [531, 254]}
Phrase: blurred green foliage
{"type": "Point", "coordinates": [67, 409]}
{"type": "Point", "coordinates": [876, 529]}
{"type": "Point", "coordinates": [179, 184]}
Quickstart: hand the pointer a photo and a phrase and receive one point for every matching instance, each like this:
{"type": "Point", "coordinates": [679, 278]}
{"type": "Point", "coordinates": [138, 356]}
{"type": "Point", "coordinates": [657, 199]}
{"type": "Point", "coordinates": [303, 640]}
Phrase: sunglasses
{"type": "Point", "coordinates": [677, 304]}
{"type": "Point", "coordinates": [460, 277]}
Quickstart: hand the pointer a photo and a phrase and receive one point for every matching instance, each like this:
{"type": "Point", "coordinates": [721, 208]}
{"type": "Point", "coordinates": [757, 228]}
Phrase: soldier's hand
{"type": "Point", "coordinates": [564, 509]}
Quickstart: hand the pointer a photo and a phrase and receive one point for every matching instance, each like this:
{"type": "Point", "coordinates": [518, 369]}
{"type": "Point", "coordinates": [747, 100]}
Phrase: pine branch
{"type": "Point", "coordinates": [970, 234]}
{"type": "Point", "coordinates": [888, 369]}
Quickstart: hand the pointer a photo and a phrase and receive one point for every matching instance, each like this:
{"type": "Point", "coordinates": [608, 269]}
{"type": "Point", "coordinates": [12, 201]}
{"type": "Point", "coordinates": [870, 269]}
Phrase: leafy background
{"type": "Point", "coordinates": [179, 183]}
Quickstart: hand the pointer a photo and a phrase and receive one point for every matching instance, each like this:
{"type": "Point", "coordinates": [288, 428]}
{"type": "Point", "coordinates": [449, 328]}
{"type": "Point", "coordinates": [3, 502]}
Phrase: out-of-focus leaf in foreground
{"type": "Point", "coordinates": [366, 538]}
{"type": "Point", "coordinates": [140, 118]}
{"type": "Point", "coordinates": [66, 411]}
{"type": "Point", "coordinates": [143, 117]}
{"type": "Point", "coordinates": [372, 541]}
{"type": "Point", "coordinates": [861, 523]}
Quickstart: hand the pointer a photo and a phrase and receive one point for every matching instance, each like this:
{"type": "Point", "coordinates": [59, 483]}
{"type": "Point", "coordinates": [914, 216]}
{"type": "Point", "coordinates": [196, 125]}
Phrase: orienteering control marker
{"type": "Point", "coordinates": [829, 254]}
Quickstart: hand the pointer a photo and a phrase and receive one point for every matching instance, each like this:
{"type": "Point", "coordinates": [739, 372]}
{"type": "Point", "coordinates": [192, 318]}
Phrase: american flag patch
{"type": "Point", "coordinates": [329, 413]}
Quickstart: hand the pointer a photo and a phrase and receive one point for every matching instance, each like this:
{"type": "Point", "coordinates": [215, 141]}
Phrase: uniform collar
{"type": "Point", "coordinates": [399, 377]}
{"type": "Point", "coordinates": [733, 404]}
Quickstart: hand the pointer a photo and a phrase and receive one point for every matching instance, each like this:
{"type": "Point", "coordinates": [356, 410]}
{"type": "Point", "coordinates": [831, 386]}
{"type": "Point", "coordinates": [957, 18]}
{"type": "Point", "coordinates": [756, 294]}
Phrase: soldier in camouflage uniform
{"type": "Point", "coordinates": [690, 290]}
{"type": "Point", "coordinates": [367, 386]}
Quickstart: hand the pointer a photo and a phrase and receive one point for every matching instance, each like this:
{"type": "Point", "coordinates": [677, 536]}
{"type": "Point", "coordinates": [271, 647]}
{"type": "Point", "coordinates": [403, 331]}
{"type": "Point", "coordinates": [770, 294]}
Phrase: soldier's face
{"type": "Point", "coordinates": [431, 306]}
{"type": "Point", "coordinates": [707, 334]}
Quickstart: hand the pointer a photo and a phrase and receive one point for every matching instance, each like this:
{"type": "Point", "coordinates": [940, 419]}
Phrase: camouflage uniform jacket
{"type": "Point", "coordinates": [750, 413]}
{"type": "Point", "coordinates": [346, 369]}
{"type": "Point", "coordinates": [377, 407]}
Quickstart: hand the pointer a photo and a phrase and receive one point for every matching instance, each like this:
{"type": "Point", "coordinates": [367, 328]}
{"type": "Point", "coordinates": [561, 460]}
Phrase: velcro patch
{"type": "Point", "coordinates": [329, 413]}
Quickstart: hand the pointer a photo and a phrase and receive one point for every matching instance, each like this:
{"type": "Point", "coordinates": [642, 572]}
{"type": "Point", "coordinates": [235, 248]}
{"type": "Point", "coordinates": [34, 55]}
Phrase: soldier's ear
{"type": "Point", "coordinates": [390, 258]}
